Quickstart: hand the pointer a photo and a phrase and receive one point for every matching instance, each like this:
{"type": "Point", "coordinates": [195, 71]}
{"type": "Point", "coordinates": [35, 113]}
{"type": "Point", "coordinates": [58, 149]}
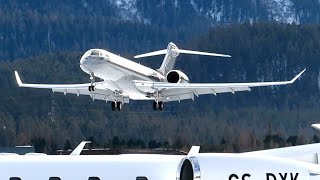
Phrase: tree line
{"type": "Point", "coordinates": [260, 52]}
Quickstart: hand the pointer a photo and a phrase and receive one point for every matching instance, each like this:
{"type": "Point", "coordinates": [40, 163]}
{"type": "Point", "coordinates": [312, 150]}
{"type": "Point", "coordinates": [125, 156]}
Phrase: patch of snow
{"type": "Point", "coordinates": [118, 2]}
{"type": "Point", "coordinates": [176, 3]}
{"type": "Point", "coordinates": [281, 11]}
{"type": "Point", "coordinates": [128, 11]}
{"type": "Point", "coordinates": [162, 3]}
{"type": "Point", "coordinates": [214, 13]}
{"type": "Point", "coordinates": [85, 4]}
{"type": "Point", "coordinates": [194, 5]}
{"type": "Point", "coordinates": [278, 10]}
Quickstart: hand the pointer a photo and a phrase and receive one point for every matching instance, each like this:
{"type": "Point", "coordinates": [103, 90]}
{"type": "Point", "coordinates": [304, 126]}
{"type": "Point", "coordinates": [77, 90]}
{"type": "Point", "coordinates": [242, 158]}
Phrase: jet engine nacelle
{"type": "Point", "coordinates": [240, 167]}
{"type": "Point", "coordinates": [176, 76]}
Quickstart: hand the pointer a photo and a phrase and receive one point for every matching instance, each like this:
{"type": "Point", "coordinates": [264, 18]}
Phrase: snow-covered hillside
{"type": "Point", "coordinates": [221, 11]}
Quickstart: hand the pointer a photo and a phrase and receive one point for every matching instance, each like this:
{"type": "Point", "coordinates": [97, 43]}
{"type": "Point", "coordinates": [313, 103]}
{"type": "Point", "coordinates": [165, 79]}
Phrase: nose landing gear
{"type": "Point", "coordinates": [92, 80]}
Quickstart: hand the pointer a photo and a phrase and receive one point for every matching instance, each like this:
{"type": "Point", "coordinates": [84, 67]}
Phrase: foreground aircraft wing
{"type": "Point", "coordinates": [181, 91]}
{"type": "Point", "coordinates": [101, 90]}
{"type": "Point", "coordinates": [307, 153]}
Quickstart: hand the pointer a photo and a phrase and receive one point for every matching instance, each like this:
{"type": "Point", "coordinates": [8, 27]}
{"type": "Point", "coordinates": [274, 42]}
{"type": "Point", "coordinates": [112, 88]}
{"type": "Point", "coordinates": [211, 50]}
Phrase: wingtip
{"type": "Point", "coordinates": [316, 126]}
{"type": "Point", "coordinates": [19, 82]}
{"type": "Point", "coordinates": [297, 76]}
{"type": "Point", "coordinates": [225, 55]}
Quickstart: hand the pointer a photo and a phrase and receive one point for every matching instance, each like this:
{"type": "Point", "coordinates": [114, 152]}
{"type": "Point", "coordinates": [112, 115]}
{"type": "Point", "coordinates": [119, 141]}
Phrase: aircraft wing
{"type": "Point", "coordinates": [102, 92]}
{"type": "Point", "coordinates": [181, 91]}
{"type": "Point", "coordinates": [50, 86]}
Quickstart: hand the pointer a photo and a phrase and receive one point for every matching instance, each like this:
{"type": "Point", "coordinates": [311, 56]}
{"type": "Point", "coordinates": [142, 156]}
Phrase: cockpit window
{"type": "Point", "coordinates": [94, 178]}
{"type": "Point", "coordinates": [95, 53]}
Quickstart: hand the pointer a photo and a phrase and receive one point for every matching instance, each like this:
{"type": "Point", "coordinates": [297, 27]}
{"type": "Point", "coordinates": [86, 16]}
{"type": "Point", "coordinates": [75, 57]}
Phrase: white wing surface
{"type": "Point", "coordinates": [181, 91]}
{"type": "Point", "coordinates": [50, 86]}
{"type": "Point", "coordinates": [102, 90]}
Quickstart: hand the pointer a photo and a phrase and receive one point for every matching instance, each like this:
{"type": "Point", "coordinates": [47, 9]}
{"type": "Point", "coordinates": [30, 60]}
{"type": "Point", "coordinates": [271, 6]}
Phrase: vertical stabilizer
{"type": "Point", "coordinates": [169, 59]}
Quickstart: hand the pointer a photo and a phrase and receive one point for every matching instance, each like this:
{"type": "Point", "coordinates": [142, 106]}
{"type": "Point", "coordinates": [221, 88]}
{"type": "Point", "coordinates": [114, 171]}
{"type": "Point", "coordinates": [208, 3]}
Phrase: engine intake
{"type": "Point", "coordinates": [188, 169]}
{"type": "Point", "coordinates": [240, 166]}
{"type": "Point", "coordinates": [176, 76]}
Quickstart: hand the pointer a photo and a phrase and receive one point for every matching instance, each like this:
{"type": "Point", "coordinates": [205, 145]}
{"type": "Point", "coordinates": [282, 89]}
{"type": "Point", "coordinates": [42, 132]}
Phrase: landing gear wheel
{"type": "Point", "coordinates": [119, 106]}
{"type": "Point", "coordinates": [155, 106]}
{"type": "Point", "coordinates": [91, 88]}
{"type": "Point", "coordinates": [161, 106]}
{"type": "Point", "coordinates": [114, 106]}
{"type": "Point", "coordinates": [92, 79]}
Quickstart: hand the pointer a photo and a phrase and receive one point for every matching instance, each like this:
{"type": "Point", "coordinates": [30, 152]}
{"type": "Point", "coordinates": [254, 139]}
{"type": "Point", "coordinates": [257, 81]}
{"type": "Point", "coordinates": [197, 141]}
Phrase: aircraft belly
{"type": "Point", "coordinates": [107, 72]}
{"type": "Point", "coordinates": [110, 71]}
{"type": "Point", "coordinates": [130, 89]}
{"type": "Point", "coordinates": [122, 78]}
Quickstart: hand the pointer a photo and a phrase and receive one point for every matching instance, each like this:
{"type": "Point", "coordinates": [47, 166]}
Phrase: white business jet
{"type": "Point", "coordinates": [124, 79]}
{"type": "Point", "coordinates": [290, 163]}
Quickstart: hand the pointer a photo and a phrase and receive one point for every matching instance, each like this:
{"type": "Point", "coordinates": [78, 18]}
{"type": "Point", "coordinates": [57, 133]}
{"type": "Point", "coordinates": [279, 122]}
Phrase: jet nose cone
{"type": "Point", "coordinates": [83, 60]}
{"type": "Point", "coordinates": [84, 63]}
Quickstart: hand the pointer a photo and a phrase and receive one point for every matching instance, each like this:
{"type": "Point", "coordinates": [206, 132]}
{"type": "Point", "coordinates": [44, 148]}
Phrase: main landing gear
{"type": "Point", "coordinates": [92, 80]}
{"type": "Point", "coordinates": [116, 106]}
{"type": "Point", "coordinates": [158, 106]}
{"type": "Point", "coordinates": [91, 88]}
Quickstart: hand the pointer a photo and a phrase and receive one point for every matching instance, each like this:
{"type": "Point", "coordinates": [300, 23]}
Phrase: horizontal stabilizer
{"type": "Point", "coordinates": [155, 53]}
{"type": "Point", "coordinates": [179, 51]}
{"type": "Point", "coordinates": [171, 53]}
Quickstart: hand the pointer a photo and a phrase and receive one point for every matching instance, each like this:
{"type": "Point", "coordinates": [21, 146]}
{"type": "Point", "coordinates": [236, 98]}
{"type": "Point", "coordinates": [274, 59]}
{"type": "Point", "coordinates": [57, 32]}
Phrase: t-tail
{"type": "Point", "coordinates": [171, 53]}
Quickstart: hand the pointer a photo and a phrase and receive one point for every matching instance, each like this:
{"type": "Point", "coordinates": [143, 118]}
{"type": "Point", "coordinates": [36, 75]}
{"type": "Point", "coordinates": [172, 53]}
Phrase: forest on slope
{"type": "Point", "coordinates": [30, 28]}
{"type": "Point", "coordinates": [34, 27]}
{"type": "Point", "coordinates": [260, 52]}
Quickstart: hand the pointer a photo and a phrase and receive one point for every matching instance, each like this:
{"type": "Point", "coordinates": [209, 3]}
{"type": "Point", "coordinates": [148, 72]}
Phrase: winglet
{"type": "Point", "coordinates": [316, 126]}
{"type": "Point", "coordinates": [18, 78]}
{"type": "Point", "coordinates": [297, 76]}
{"type": "Point", "coordinates": [79, 148]}
{"type": "Point", "coordinates": [194, 150]}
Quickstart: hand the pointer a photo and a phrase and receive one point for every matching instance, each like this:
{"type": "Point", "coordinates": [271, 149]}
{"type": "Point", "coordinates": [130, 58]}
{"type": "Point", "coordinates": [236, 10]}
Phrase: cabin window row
{"type": "Point", "coordinates": [55, 178]}
{"type": "Point", "coordinates": [90, 178]}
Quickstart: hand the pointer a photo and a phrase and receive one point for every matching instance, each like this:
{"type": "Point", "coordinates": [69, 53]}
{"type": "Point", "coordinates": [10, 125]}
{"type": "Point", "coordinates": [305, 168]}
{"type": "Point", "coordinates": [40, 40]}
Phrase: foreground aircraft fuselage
{"type": "Point", "coordinates": [290, 163]}
{"type": "Point", "coordinates": [199, 166]}
{"type": "Point", "coordinates": [123, 79]}
{"type": "Point", "coordinates": [82, 167]}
